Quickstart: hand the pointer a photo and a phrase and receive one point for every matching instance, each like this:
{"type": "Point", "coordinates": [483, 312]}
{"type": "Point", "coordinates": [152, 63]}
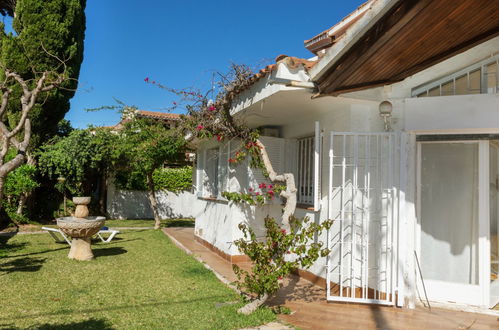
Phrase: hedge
{"type": "Point", "coordinates": [171, 179]}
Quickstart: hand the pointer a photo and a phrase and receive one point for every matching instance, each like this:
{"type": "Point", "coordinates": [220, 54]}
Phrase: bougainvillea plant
{"type": "Point", "coordinates": [277, 255]}
{"type": "Point", "coordinates": [264, 193]}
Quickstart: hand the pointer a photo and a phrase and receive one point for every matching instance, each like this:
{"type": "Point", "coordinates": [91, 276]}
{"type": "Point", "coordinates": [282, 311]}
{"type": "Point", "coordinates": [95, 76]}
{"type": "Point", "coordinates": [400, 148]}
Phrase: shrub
{"type": "Point", "coordinates": [171, 179]}
{"type": "Point", "coordinates": [277, 255]}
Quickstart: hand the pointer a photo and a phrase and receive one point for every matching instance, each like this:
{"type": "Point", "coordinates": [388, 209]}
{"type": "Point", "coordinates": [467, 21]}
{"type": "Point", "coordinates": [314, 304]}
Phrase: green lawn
{"type": "Point", "coordinates": [139, 281]}
{"type": "Point", "coordinates": [117, 223]}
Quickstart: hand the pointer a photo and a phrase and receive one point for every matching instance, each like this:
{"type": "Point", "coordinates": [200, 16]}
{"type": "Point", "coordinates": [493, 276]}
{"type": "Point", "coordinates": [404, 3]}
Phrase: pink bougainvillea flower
{"type": "Point", "coordinates": [283, 231]}
{"type": "Point", "coordinates": [199, 127]}
{"type": "Point", "coordinates": [219, 138]}
{"type": "Point", "coordinates": [258, 194]}
{"type": "Point", "coordinates": [250, 189]}
{"type": "Point", "coordinates": [279, 278]}
{"type": "Point", "coordinates": [270, 186]}
{"type": "Point", "coordinates": [212, 108]}
{"type": "Point", "coordinates": [146, 79]}
{"type": "Point", "coordinates": [271, 192]}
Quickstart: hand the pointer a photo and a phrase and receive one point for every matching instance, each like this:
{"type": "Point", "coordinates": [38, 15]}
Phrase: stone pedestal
{"type": "Point", "coordinates": [80, 249]}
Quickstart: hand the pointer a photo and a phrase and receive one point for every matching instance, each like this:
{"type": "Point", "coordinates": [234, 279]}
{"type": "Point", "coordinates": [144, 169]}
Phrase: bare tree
{"type": "Point", "coordinates": [18, 134]}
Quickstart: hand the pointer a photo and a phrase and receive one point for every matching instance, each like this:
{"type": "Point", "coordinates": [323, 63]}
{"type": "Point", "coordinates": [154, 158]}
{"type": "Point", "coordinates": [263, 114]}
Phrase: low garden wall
{"type": "Point", "coordinates": [133, 204]}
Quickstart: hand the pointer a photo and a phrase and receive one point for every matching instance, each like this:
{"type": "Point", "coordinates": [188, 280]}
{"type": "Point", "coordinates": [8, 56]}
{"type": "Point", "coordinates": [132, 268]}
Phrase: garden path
{"type": "Point", "coordinates": [311, 311]}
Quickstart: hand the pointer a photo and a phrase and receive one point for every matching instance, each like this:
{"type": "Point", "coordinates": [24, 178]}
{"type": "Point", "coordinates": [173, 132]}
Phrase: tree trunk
{"type": "Point", "coordinates": [30, 160]}
{"type": "Point", "coordinates": [103, 194]}
{"type": "Point", "coordinates": [253, 305]}
{"type": "Point", "coordinates": [152, 199]}
{"type": "Point", "coordinates": [288, 179]}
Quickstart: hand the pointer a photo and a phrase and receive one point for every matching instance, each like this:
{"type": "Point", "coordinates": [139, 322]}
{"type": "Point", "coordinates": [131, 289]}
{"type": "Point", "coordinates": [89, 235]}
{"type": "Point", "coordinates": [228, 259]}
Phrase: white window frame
{"type": "Point", "coordinates": [312, 147]}
{"type": "Point", "coordinates": [482, 65]}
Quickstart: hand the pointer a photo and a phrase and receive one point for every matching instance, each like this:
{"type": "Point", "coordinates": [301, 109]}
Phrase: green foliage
{"type": "Point", "coordinates": [145, 145]}
{"type": "Point", "coordinates": [278, 254]}
{"type": "Point", "coordinates": [75, 157]}
{"type": "Point", "coordinates": [59, 27]}
{"type": "Point", "coordinates": [172, 179]}
{"type": "Point", "coordinates": [18, 182]}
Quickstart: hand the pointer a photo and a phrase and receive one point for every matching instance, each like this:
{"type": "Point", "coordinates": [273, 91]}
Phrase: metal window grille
{"type": "Point", "coordinates": [305, 184]}
{"type": "Point", "coordinates": [362, 203]}
{"type": "Point", "coordinates": [487, 82]}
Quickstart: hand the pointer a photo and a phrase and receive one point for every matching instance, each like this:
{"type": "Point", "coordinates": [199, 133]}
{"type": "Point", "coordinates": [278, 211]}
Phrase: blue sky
{"type": "Point", "coordinates": [180, 43]}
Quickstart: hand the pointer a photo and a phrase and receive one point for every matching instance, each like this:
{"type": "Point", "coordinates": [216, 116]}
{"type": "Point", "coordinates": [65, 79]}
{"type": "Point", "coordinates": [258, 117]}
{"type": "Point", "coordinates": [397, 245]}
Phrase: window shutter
{"type": "Point", "coordinates": [238, 174]}
{"type": "Point", "coordinates": [317, 167]}
{"type": "Point", "coordinates": [223, 169]}
{"type": "Point", "coordinates": [210, 184]}
{"type": "Point", "coordinates": [200, 154]}
{"type": "Point", "coordinates": [275, 150]}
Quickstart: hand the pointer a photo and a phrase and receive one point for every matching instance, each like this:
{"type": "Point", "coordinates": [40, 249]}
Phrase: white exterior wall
{"type": "Point", "coordinates": [132, 204]}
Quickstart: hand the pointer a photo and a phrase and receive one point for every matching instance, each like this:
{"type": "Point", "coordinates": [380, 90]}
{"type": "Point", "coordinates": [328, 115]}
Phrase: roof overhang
{"type": "Point", "coordinates": [397, 38]}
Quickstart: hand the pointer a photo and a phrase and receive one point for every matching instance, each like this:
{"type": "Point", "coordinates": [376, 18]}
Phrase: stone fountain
{"type": "Point", "coordinates": [80, 228]}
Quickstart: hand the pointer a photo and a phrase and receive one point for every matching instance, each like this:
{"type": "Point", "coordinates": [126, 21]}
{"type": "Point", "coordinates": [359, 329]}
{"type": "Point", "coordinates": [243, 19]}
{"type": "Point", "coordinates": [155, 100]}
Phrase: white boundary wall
{"type": "Point", "coordinates": [132, 204]}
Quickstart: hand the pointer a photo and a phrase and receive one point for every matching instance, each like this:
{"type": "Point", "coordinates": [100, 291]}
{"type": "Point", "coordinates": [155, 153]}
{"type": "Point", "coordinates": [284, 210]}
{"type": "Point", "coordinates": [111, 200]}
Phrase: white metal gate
{"type": "Point", "coordinates": [363, 204]}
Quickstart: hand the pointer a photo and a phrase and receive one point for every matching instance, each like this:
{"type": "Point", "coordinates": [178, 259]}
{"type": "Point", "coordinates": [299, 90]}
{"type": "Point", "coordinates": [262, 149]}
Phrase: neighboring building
{"type": "Point", "coordinates": [169, 119]}
{"type": "Point", "coordinates": [392, 131]}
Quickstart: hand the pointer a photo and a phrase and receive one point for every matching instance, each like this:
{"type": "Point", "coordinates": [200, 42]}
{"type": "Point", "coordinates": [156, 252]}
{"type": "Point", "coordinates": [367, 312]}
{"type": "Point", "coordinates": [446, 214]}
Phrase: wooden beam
{"type": "Point", "coordinates": [462, 47]}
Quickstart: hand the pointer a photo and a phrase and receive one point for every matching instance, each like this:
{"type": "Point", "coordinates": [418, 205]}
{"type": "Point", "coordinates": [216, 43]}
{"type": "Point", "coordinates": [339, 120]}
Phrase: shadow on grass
{"type": "Point", "coordinates": [25, 264]}
{"type": "Point", "coordinates": [112, 308]}
{"type": "Point", "coordinates": [179, 223]}
{"type": "Point", "coordinates": [40, 252]}
{"type": "Point", "coordinates": [87, 324]}
{"type": "Point", "coordinates": [114, 241]}
{"type": "Point", "coordinates": [112, 251]}
{"type": "Point", "coordinates": [6, 247]}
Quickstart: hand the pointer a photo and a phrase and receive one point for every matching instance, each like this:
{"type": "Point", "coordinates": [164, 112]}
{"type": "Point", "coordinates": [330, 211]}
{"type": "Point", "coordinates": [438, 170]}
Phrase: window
{"type": "Point", "coordinates": [478, 78]}
{"type": "Point", "coordinates": [210, 182]}
{"type": "Point", "coordinates": [305, 178]}
{"type": "Point", "coordinates": [212, 171]}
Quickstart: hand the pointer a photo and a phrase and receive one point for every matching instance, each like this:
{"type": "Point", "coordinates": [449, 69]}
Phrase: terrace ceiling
{"type": "Point", "coordinates": [412, 36]}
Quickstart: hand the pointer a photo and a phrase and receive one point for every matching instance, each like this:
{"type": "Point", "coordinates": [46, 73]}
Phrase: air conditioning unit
{"type": "Point", "coordinates": [273, 131]}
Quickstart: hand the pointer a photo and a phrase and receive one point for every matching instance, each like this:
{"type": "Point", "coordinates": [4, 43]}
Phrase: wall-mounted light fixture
{"type": "Point", "coordinates": [385, 111]}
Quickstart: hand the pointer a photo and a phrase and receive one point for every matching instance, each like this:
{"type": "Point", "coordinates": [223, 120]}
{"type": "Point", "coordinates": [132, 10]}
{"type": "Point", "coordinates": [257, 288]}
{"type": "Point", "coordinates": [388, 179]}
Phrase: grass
{"type": "Point", "coordinates": [138, 281]}
{"type": "Point", "coordinates": [118, 223]}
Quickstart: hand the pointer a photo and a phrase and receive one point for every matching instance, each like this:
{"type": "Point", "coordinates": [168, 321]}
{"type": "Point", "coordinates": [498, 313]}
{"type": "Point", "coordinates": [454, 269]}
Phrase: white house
{"type": "Point", "coordinates": [392, 131]}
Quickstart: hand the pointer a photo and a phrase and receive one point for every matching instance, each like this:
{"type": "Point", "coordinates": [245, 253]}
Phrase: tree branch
{"type": "Point", "coordinates": [288, 179]}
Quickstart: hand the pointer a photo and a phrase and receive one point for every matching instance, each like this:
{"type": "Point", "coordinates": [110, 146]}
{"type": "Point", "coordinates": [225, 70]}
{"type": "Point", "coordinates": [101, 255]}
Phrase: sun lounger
{"type": "Point", "coordinates": [54, 231]}
{"type": "Point", "coordinates": [111, 233]}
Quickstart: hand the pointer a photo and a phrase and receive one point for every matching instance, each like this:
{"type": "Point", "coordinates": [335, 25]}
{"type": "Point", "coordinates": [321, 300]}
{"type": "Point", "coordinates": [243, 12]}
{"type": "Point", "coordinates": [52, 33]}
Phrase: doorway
{"type": "Point", "coordinates": [453, 219]}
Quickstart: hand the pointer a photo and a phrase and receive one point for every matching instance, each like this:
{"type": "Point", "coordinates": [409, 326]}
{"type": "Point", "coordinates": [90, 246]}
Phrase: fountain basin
{"type": "Point", "coordinates": [80, 227]}
{"type": "Point", "coordinates": [81, 231]}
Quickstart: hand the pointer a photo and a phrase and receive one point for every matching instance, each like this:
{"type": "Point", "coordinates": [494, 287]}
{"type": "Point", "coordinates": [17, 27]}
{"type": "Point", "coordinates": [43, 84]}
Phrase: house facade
{"type": "Point", "coordinates": [392, 131]}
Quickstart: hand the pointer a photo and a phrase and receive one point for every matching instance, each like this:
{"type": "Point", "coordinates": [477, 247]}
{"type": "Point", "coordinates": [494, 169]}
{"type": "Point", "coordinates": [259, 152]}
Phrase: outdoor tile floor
{"type": "Point", "coordinates": [311, 311]}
